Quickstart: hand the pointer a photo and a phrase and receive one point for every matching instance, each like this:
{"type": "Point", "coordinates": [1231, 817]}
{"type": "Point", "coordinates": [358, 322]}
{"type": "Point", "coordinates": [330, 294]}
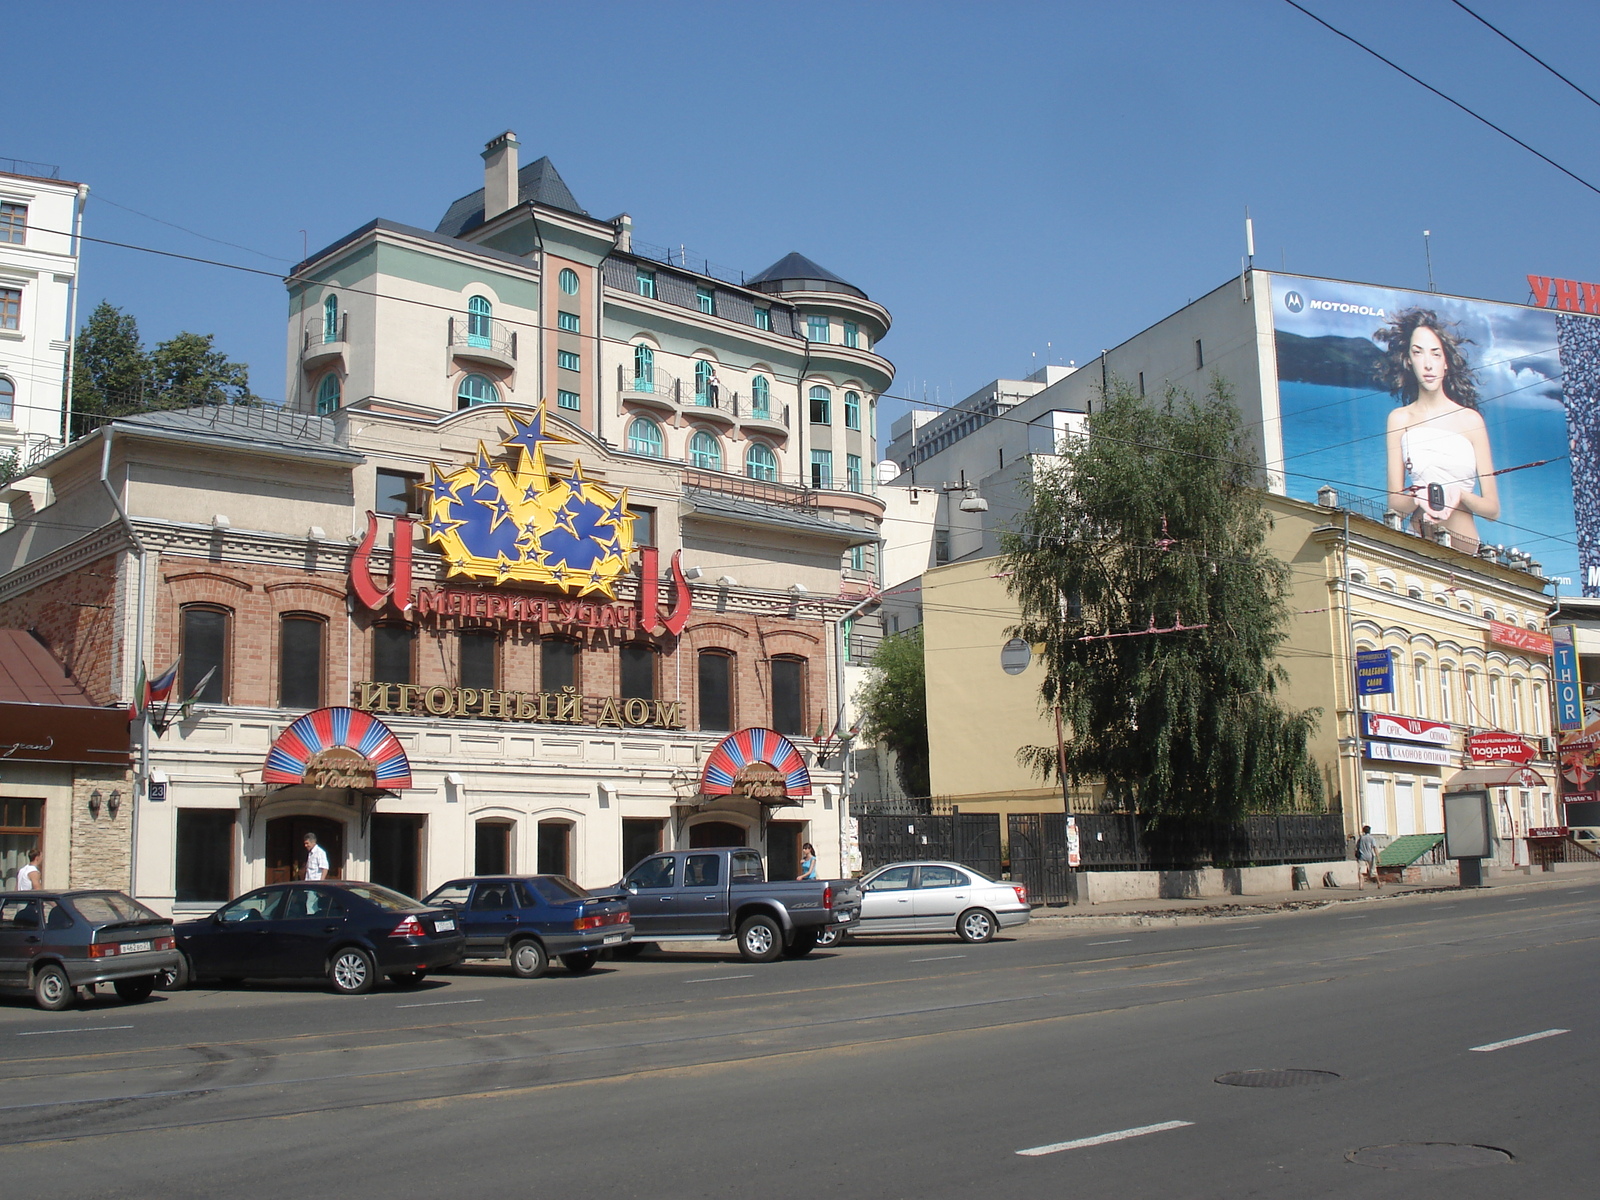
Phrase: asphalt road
{"type": "Point", "coordinates": [888, 1068]}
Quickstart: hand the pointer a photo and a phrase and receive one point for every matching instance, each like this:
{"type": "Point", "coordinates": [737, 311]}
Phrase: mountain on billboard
{"type": "Point", "coordinates": [1334, 361]}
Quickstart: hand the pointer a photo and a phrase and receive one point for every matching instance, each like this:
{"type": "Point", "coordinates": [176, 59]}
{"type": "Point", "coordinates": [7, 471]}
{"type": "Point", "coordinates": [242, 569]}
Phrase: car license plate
{"type": "Point", "coordinates": [133, 947]}
{"type": "Point", "coordinates": [614, 940]}
{"type": "Point", "coordinates": [443, 926]}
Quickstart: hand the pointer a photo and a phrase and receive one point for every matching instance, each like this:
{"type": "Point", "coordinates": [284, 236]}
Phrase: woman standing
{"type": "Point", "coordinates": [808, 861]}
{"type": "Point", "coordinates": [1441, 471]}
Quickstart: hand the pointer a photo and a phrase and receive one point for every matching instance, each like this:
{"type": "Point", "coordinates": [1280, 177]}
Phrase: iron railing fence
{"type": "Point", "coordinates": [971, 839]}
{"type": "Point", "coordinates": [480, 333]}
{"type": "Point", "coordinates": [318, 333]}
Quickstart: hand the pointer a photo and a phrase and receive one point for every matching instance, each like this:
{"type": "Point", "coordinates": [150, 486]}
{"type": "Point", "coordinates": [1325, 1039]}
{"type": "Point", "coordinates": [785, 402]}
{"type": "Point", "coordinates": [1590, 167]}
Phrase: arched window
{"type": "Point", "coordinates": [300, 660]}
{"type": "Point", "coordinates": [475, 390]}
{"type": "Point", "coordinates": [8, 398]}
{"type": "Point", "coordinates": [788, 694]}
{"type": "Point", "coordinates": [206, 632]}
{"type": "Point", "coordinates": [1445, 711]}
{"type": "Point", "coordinates": [569, 281]}
{"type": "Point", "coordinates": [761, 463]}
{"type": "Point", "coordinates": [558, 664]}
{"type": "Point", "coordinates": [852, 410]}
{"type": "Point", "coordinates": [330, 319]}
{"type": "Point", "coordinates": [391, 653]}
{"type": "Point", "coordinates": [328, 395]}
{"type": "Point", "coordinates": [821, 406]}
{"type": "Point", "coordinates": [704, 452]}
{"type": "Point", "coordinates": [480, 658]}
{"type": "Point", "coordinates": [1419, 670]}
{"type": "Point", "coordinates": [703, 373]}
{"type": "Point", "coordinates": [644, 368]}
{"type": "Point", "coordinates": [716, 689]}
{"type": "Point", "coordinates": [760, 397]}
{"type": "Point", "coordinates": [638, 671]}
{"type": "Point", "coordinates": [478, 313]}
{"type": "Point", "coordinates": [644, 437]}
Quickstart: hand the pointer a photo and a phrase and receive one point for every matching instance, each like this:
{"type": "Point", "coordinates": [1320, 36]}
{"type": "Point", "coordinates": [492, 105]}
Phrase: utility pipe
{"type": "Point", "coordinates": [142, 774]}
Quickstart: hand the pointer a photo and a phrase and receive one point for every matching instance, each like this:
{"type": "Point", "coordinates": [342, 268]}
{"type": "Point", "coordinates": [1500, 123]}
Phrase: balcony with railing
{"type": "Point", "coordinates": [325, 340]}
{"type": "Point", "coordinates": [481, 339]}
{"type": "Point", "coordinates": [652, 388]}
{"type": "Point", "coordinates": [770, 419]}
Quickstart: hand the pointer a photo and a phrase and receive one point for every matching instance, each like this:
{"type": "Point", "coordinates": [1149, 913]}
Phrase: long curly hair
{"type": "Point", "coordinates": [1394, 373]}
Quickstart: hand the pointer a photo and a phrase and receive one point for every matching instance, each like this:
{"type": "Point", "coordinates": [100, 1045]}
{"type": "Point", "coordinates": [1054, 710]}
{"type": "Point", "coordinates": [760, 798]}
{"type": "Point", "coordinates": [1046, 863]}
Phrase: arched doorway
{"type": "Point", "coordinates": [286, 854]}
{"type": "Point", "coordinates": [716, 833]}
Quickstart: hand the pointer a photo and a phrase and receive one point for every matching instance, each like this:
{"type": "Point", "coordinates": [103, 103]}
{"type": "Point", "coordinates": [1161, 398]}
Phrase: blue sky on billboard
{"type": "Point", "coordinates": [1335, 409]}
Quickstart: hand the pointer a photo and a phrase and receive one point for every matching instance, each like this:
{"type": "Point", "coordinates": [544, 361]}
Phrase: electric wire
{"type": "Point", "coordinates": [1502, 33]}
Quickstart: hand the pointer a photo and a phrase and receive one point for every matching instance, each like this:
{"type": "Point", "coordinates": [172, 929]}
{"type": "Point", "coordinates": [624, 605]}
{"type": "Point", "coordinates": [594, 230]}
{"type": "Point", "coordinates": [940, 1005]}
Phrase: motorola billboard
{"type": "Point", "coordinates": [1468, 416]}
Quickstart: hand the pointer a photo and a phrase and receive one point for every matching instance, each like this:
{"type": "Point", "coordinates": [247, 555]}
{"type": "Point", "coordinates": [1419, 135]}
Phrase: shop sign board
{"type": "Point", "coordinates": [731, 768]}
{"type": "Point", "coordinates": [1516, 638]}
{"type": "Point", "coordinates": [1498, 746]}
{"type": "Point", "coordinates": [1405, 729]}
{"type": "Point", "coordinates": [338, 748]}
{"type": "Point", "coordinates": [564, 707]}
{"type": "Point", "coordinates": [1402, 752]}
{"type": "Point", "coordinates": [1548, 831]}
{"type": "Point", "coordinates": [1374, 673]}
{"type": "Point", "coordinates": [1569, 683]}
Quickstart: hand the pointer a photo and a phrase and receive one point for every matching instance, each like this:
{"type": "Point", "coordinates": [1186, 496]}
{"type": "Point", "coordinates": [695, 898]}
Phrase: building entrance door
{"type": "Point", "coordinates": [397, 852]}
{"type": "Point", "coordinates": [286, 852]}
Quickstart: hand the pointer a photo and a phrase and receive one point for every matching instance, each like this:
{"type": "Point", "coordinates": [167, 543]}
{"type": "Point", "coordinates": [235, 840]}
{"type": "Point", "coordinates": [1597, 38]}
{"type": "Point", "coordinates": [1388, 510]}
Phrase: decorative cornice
{"type": "Point", "coordinates": [90, 548]}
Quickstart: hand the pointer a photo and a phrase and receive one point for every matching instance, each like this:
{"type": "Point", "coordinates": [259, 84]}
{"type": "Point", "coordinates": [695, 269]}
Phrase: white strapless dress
{"type": "Point", "coordinates": [1439, 456]}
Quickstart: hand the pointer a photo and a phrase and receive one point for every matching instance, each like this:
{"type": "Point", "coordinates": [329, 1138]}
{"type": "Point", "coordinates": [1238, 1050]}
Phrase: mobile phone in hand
{"type": "Point", "coordinates": [1436, 496]}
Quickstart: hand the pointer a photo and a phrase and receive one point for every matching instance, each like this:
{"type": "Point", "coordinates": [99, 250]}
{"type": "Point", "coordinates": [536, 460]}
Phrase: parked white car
{"type": "Point", "coordinates": [938, 897]}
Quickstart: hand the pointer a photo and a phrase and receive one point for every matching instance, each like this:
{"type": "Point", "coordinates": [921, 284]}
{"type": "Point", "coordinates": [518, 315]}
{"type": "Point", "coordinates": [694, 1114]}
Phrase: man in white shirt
{"type": "Point", "coordinates": [28, 878]}
{"type": "Point", "coordinates": [316, 859]}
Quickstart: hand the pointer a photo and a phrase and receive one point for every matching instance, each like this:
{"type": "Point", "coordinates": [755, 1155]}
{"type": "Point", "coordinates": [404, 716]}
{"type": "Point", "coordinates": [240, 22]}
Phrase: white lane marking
{"type": "Point", "coordinates": [83, 1029]}
{"type": "Point", "coordinates": [718, 978]}
{"type": "Point", "coordinates": [1103, 1138]}
{"type": "Point", "coordinates": [1112, 942]}
{"type": "Point", "coordinates": [940, 958]}
{"type": "Point", "coordinates": [1362, 917]}
{"type": "Point", "coordinates": [438, 1003]}
{"type": "Point", "coordinates": [1517, 1041]}
{"type": "Point", "coordinates": [1245, 927]}
{"type": "Point", "coordinates": [1516, 900]}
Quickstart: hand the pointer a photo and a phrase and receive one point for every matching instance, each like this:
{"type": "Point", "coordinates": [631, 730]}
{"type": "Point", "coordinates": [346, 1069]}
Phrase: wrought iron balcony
{"type": "Point", "coordinates": [482, 339]}
{"type": "Point", "coordinates": [324, 340]}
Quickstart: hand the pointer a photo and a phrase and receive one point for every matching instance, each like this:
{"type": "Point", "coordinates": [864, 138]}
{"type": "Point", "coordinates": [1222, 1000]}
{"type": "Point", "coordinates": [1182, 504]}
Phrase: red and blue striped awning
{"type": "Point", "coordinates": [328, 728]}
{"type": "Point", "coordinates": [739, 750]}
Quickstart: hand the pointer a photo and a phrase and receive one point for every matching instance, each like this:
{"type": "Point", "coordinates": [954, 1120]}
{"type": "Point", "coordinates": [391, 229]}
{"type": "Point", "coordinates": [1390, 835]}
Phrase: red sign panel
{"type": "Point", "coordinates": [1498, 747]}
{"type": "Point", "coordinates": [1553, 831]}
{"type": "Point", "coordinates": [1517, 638]}
{"type": "Point", "coordinates": [1406, 729]}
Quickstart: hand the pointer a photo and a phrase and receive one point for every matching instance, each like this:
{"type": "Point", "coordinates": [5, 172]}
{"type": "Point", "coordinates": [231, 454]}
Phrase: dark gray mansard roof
{"type": "Point", "coordinates": [794, 272]}
{"type": "Point", "coordinates": [538, 181]}
{"type": "Point", "coordinates": [264, 427]}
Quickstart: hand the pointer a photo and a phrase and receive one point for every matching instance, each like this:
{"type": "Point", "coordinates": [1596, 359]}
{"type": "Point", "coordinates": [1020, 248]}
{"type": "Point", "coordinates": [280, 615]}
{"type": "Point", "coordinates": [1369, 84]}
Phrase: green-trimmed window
{"type": "Point", "coordinates": [704, 452]}
{"type": "Point", "coordinates": [479, 312]}
{"type": "Point", "coordinates": [706, 300]}
{"type": "Point", "coordinates": [822, 468]}
{"type": "Point", "coordinates": [644, 437]}
{"type": "Point", "coordinates": [821, 406]}
{"type": "Point", "coordinates": [568, 280]}
{"type": "Point", "coordinates": [704, 372]}
{"type": "Point", "coordinates": [645, 281]}
{"type": "Point", "coordinates": [568, 361]}
{"type": "Point", "coordinates": [852, 472]}
{"type": "Point", "coordinates": [476, 390]}
{"type": "Point", "coordinates": [816, 329]}
{"type": "Point", "coordinates": [328, 395]}
{"type": "Point", "coordinates": [852, 336]}
{"type": "Point", "coordinates": [566, 399]}
{"type": "Point", "coordinates": [761, 463]}
{"type": "Point", "coordinates": [568, 322]}
{"type": "Point", "coordinates": [852, 410]}
{"type": "Point", "coordinates": [760, 397]}
{"type": "Point", "coordinates": [644, 368]}
{"type": "Point", "coordinates": [330, 319]}
{"type": "Point", "coordinates": [858, 558]}
{"type": "Point", "coordinates": [764, 318]}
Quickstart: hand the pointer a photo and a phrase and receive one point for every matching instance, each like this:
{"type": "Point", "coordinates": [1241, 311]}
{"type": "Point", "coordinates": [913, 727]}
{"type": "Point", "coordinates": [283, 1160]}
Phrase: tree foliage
{"type": "Point", "coordinates": [1150, 521]}
{"type": "Point", "coordinates": [113, 374]}
{"type": "Point", "coordinates": [894, 706]}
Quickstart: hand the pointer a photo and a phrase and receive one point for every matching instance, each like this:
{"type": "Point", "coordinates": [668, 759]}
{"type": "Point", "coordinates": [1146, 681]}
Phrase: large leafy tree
{"type": "Point", "coordinates": [113, 374]}
{"type": "Point", "coordinates": [1150, 522]}
{"type": "Point", "coordinates": [894, 706]}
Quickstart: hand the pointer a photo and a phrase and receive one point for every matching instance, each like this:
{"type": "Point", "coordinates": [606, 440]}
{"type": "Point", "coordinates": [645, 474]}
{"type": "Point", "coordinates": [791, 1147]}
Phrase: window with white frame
{"type": "Point", "coordinates": [10, 308]}
{"type": "Point", "coordinates": [1516, 704]}
{"type": "Point", "coordinates": [1445, 710]}
{"type": "Point", "coordinates": [1540, 712]}
{"type": "Point", "coordinates": [1494, 701]}
{"type": "Point", "coordinates": [1419, 675]}
{"type": "Point", "coordinates": [13, 222]}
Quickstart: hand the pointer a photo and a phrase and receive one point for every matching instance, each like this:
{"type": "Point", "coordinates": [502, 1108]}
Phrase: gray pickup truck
{"type": "Point", "coordinates": [714, 895]}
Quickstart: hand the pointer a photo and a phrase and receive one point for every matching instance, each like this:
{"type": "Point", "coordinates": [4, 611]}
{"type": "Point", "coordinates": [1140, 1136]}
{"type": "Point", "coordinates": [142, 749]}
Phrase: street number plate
{"type": "Point", "coordinates": [443, 926]}
{"type": "Point", "coordinates": [614, 940]}
{"type": "Point", "coordinates": [133, 947]}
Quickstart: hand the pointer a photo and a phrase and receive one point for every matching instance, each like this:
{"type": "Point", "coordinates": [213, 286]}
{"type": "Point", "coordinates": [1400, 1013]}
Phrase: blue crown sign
{"type": "Point", "coordinates": [509, 518]}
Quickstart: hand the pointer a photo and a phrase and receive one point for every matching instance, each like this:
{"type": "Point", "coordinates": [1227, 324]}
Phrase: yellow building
{"type": "Point", "coordinates": [1465, 634]}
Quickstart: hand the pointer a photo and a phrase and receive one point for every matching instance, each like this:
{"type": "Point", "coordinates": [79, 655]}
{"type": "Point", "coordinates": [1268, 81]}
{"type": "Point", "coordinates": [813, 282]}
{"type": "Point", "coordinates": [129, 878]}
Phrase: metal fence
{"type": "Point", "coordinates": [972, 839]}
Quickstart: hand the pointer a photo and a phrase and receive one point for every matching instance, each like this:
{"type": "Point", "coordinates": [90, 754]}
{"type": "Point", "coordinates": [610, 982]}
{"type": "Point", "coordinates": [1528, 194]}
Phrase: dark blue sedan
{"type": "Point", "coordinates": [349, 933]}
{"type": "Point", "coordinates": [531, 919]}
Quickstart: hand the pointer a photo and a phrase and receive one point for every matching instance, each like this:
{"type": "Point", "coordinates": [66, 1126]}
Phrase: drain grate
{"type": "Point", "coordinates": [1428, 1156]}
{"type": "Point", "coordinates": [1275, 1079]}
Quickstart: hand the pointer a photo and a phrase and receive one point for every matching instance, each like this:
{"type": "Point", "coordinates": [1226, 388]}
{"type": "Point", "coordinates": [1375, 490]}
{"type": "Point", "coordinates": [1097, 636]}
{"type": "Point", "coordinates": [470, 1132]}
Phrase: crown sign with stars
{"type": "Point", "coordinates": [509, 518]}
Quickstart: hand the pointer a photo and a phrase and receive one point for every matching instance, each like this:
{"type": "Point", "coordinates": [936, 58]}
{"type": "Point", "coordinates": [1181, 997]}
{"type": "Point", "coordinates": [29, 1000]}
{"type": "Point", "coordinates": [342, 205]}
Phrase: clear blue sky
{"type": "Point", "coordinates": [1001, 176]}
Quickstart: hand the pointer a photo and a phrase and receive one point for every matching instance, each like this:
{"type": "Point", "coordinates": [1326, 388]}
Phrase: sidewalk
{"type": "Point", "coordinates": [1127, 914]}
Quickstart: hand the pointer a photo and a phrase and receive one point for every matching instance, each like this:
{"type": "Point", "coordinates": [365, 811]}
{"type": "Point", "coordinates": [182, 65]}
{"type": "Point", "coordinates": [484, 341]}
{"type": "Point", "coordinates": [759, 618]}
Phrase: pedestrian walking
{"type": "Point", "coordinates": [28, 879]}
{"type": "Point", "coordinates": [1366, 858]}
{"type": "Point", "coordinates": [316, 859]}
{"type": "Point", "coordinates": [808, 861]}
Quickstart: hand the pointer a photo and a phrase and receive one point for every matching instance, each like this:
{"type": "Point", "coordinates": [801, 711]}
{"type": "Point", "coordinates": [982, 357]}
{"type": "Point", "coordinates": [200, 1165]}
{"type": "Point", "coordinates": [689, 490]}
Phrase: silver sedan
{"type": "Point", "coordinates": [938, 897]}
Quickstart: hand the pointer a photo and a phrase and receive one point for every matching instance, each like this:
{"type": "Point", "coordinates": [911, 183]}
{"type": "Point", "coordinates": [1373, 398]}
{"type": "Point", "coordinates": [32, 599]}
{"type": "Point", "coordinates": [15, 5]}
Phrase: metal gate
{"type": "Point", "coordinates": [1038, 843]}
{"type": "Point", "coordinates": [972, 839]}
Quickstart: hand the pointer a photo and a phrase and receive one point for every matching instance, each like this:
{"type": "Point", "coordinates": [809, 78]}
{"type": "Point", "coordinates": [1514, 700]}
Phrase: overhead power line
{"type": "Point", "coordinates": [1502, 33]}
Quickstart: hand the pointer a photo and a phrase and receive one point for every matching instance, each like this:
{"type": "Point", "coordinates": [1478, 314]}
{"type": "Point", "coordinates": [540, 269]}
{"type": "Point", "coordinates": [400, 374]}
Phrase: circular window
{"type": "Point", "coordinates": [1015, 656]}
{"type": "Point", "coordinates": [569, 281]}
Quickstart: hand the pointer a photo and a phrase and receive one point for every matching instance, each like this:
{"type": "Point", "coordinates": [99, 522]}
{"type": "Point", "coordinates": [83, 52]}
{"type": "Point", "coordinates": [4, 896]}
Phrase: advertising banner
{"type": "Point", "coordinates": [1516, 638]}
{"type": "Point", "coordinates": [1469, 416]}
{"type": "Point", "coordinates": [1569, 685]}
{"type": "Point", "coordinates": [1497, 746]}
{"type": "Point", "coordinates": [1406, 729]}
{"type": "Point", "coordinates": [1403, 752]}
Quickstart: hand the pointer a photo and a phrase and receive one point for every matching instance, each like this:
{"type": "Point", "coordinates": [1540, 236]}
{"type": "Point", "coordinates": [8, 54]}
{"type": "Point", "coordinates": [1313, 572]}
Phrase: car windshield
{"type": "Point", "coordinates": [557, 889]}
{"type": "Point", "coordinates": [455, 893]}
{"type": "Point", "coordinates": [106, 908]}
{"type": "Point", "coordinates": [384, 898]}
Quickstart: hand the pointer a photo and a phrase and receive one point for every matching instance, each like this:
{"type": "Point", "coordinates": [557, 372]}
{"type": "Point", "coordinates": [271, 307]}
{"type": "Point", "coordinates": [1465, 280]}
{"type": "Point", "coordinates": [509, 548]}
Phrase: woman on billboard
{"type": "Point", "coordinates": [1441, 472]}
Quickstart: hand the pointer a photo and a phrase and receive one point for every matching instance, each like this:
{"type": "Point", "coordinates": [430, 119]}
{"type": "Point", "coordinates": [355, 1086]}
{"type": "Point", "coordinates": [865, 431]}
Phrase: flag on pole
{"type": "Point", "coordinates": [160, 688]}
{"type": "Point", "coordinates": [141, 693]}
{"type": "Point", "coordinates": [188, 701]}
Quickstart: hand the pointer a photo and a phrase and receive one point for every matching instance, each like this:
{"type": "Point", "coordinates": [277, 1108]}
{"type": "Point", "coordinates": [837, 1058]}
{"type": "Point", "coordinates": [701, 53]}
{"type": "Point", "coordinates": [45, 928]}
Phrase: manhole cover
{"type": "Point", "coordinates": [1428, 1156]}
{"type": "Point", "coordinates": [1275, 1079]}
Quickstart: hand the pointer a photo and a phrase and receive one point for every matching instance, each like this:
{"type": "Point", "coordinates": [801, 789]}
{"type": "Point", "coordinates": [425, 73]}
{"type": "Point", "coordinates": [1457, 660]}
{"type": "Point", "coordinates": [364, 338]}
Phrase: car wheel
{"type": "Point", "coordinates": [407, 978]}
{"type": "Point", "coordinates": [175, 979]}
{"type": "Point", "coordinates": [528, 959]}
{"type": "Point", "coordinates": [832, 935]}
{"type": "Point", "coordinates": [760, 939]}
{"type": "Point", "coordinates": [351, 971]}
{"type": "Point", "coordinates": [52, 991]}
{"type": "Point", "coordinates": [580, 962]}
{"type": "Point", "coordinates": [975, 925]}
{"type": "Point", "coordinates": [131, 991]}
{"type": "Point", "coordinates": [805, 941]}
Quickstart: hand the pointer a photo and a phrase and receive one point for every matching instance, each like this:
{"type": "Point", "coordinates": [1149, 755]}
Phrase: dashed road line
{"type": "Point", "coordinates": [940, 958]}
{"type": "Point", "coordinates": [437, 1003]}
{"type": "Point", "coordinates": [1112, 942]}
{"type": "Point", "coordinates": [1518, 1041]}
{"type": "Point", "coordinates": [1102, 1139]}
{"type": "Point", "coordinates": [80, 1029]}
{"type": "Point", "coordinates": [718, 978]}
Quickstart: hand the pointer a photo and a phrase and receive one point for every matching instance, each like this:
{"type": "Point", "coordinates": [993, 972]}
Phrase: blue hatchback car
{"type": "Point", "coordinates": [531, 919]}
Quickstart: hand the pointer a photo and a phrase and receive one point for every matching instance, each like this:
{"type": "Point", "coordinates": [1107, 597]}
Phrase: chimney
{"type": "Point", "coordinates": [500, 175]}
{"type": "Point", "coordinates": [1327, 497]}
{"type": "Point", "coordinates": [624, 224]}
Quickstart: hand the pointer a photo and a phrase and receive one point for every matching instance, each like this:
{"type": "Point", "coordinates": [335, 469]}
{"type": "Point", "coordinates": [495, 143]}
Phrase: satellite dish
{"type": "Point", "coordinates": [1015, 656]}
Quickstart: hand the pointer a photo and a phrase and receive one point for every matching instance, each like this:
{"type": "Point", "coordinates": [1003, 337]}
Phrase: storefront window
{"type": "Point", "coordinates": [205, 653]}
{"type": "Point", "coordinates": [640, 839]}
{"type": "Point", "coordinates": [638, 671]}
{"type": "Point", "coordinates": [21, 833]}
{"type": "Point", "coordinates": [479, 659]}
{"type": "Point", "coordinates": [788, 694]}
{"type": "Point", "coordinates": [558, 664]}
{"type": "Point", "coordinates": [204, 860]}
{"type": "Point", "coordinates": [492, 846]}
{"type": "Point", "coordinates": [300, 662]}
{"type": "Point", "coordinates": [716, 692]}
{"type": "Point", "coordinates": [555, 846]}
{"type": "Point", "coordinates": [391, 653]}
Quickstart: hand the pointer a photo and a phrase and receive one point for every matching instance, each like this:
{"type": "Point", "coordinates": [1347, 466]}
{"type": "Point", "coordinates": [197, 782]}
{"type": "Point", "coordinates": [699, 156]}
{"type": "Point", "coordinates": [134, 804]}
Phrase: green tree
{"type": "Point", "coordinates": [1151, 521]}
{"type": "Point", "coordinates": [113, 375]}
{"type": "Point", "coordinates": [894, 706]}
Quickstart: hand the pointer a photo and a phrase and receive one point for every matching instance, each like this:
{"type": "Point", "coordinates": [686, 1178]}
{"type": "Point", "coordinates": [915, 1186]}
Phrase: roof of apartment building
{"type": "Point", "coordinates": [245, 425]}
{"type": "Point", "coordinates": [794, 272]}
{"type": "Point", "coordinates": [539, 182]}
